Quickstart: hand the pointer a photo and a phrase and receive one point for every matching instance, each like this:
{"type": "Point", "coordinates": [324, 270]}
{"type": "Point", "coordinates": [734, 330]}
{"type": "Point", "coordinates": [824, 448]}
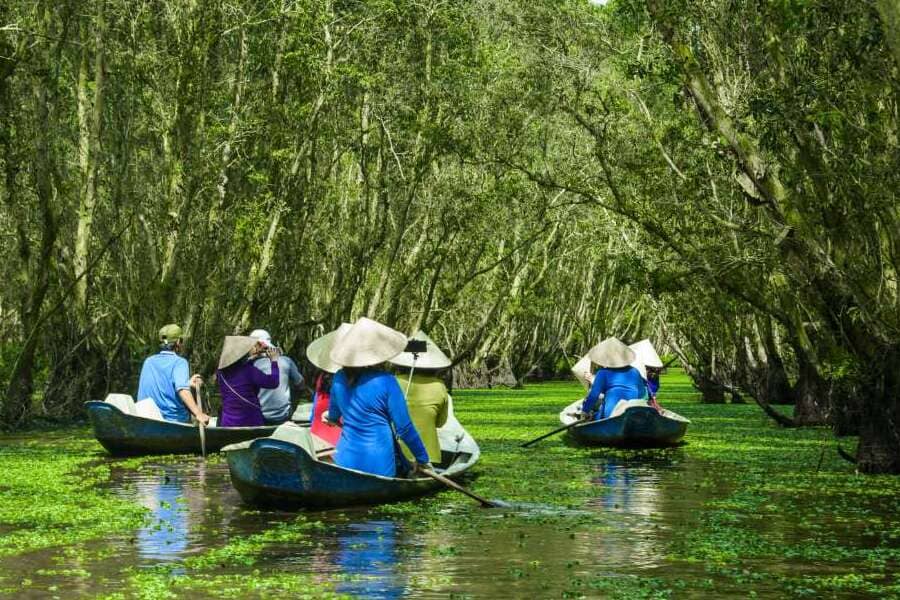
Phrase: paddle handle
{"type": "Point", "coordinates": [200, 423]}
{"type": "Point", "coordinates": [452, 484]}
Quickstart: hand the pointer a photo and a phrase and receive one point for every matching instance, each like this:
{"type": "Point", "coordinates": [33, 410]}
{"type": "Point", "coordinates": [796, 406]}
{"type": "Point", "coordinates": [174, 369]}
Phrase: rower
{"type": "Point", "coordinates": [370, 402]}
{"type": "Point", "coordinates": [164, 379]}
{"type": "Point", "coordinates": [616, 380]}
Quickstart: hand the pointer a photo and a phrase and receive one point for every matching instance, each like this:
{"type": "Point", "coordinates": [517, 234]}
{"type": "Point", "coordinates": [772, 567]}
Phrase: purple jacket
{"type": "Point", "coordinates": [239, 385]}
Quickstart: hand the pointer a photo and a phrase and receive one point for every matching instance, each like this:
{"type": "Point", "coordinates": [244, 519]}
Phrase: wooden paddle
{"type": "Point", "coordinates": [453, 485]}
{"type": "Point", "coordinates": [561, 429]}
{"type": "Point", "coordinates": [202, 426]}
{"type": "Point", "coordinates": [554, 432]}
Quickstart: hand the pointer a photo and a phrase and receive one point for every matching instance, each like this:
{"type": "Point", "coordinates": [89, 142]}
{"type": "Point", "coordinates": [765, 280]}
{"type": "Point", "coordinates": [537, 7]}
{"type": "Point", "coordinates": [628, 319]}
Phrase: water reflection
{"type": "Point", "coordinates": [166, 536]}
{"type": "Point", "coordinates": [632, 496]}
{"type": "Point", "coordinates": [368, 560]}
{"type": "Point", "coordinates": [192, 507]}
{"type": "Point", "coordinates": [630, 489]}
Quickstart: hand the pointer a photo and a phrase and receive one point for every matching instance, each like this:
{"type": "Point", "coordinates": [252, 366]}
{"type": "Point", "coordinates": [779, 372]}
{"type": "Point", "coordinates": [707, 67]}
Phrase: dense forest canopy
{"type": "Point", "coordinates": [518, 180]}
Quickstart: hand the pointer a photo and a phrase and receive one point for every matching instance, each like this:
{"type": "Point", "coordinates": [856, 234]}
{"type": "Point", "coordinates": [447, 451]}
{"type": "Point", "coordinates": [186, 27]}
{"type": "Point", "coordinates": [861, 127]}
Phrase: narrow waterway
{"type": "Point", "coordinates": [367, 552]}
{"type": "Point", "coordinates": [743, 509]}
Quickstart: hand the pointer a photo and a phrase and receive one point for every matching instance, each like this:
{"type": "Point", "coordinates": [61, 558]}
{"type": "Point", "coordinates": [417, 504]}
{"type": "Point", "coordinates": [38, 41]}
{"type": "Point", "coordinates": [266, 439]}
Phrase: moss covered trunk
{"type": "Point", "coordinates": [879, 435]}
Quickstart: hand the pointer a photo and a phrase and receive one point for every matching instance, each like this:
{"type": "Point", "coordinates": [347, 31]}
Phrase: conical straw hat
{"type": "Point", "coordinates": [582, 369]}
{"type": "Point", "coordinates": [367, 343]}
{"type": "Point", "coordinates": [432, 358]}
{"type": "Point", "coordinates": [318, 349]}
{"type": "Point", "coordinates": [646, 356]}
{"type": "Point", "coordinates": [612, 353]}
{"type": "Point", "coordinates": [236, 347]}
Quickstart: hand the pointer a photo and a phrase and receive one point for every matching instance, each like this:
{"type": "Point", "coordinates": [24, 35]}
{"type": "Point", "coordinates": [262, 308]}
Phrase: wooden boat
{"type": "Point", "coordinates": [633, 424]}
{"type": "Point", "coordinates": [282, 471]}
{"type": "Point", "coordinates": [123, 432]}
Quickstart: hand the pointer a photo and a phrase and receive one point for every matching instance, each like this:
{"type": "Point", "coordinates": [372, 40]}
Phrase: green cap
{"type": "Point", "coordinates": [170, 333]}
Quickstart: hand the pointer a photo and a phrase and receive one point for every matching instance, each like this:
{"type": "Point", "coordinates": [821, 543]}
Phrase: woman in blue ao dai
{"type": "Point", "coordinates": [616, 380]}
{"type": "Point", "coordinates": [369, 402]}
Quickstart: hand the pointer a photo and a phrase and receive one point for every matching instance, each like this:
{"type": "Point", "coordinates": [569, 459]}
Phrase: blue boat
{"type": "Point", "coordinates": [283, 471]}
{"type": "Point", "coordinates": [633, 424]}
{"type": "Point", "coordinates": [123, 433]}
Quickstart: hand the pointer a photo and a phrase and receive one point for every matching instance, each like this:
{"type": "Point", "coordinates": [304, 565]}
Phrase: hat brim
{"type": "Point", "coordinates": [319, 349]}
{"type": "Point", "coordinates": [432, 358]}
{"type": "Point", "coordinates": [646, 354]}
{"type": "Point", "coordinates": [612, 354]}
{"type": "Point", "coordinates": [582, 369]}
{"type": "Point", "coordinates": [366, 344]}
{"type": "Point", "coordinates": [235, 348]}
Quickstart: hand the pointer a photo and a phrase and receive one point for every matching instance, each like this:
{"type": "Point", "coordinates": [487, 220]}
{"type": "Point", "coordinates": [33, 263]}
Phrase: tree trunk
{"type": "Point", "coordinates": [89, 123]}
{"type": "Point", "coordinates": [17, 399]}
{"type": "Point", "coordinates": [711, 391]}
{"type": "Point", "coordinates": [812, 394]}
{"type": "Point", "coordinates": [889, 11]}
{"type": "Point", "coordinates": [879, 435]}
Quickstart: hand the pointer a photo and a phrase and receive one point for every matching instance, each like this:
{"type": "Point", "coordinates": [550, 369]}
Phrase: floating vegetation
{"type": "Point", "coordinates": [743, 508]}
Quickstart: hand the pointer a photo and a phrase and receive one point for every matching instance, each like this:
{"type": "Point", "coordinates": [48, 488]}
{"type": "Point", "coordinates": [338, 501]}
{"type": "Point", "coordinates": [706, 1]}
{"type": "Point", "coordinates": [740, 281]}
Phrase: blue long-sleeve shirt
{"type": "Point", "coordinates": [368, 409]}
{"type": "Point", "coordinates": [616, 385]}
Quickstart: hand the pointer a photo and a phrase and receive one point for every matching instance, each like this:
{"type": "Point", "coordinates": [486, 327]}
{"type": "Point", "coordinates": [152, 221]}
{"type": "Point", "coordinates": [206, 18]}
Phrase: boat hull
{"type": "Point", "coordinates": [278, 474]}
{"type": "Point", "coordinates": [130, 435]}
{"type": "Point", "coordinates": [274, 473]}
{"type": "Point", "coordinates": [637, 427]}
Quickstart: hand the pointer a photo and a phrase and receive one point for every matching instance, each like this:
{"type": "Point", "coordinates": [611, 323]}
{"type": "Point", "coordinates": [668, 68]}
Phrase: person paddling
{"type": "Point", "coordinates": [165, 379]}
{"type": "Point", "coordinates": [369, 402]}
{"type": "Point", "coordinates": [426, 393]}
{"type": "Point", "coordinates": [616, 380]}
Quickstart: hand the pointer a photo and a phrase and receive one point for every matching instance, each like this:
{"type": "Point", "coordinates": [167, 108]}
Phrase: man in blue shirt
{"type": "Point", "coordinates": [165, 379]}
{"type": "Point", "coordinates": [276, 402]}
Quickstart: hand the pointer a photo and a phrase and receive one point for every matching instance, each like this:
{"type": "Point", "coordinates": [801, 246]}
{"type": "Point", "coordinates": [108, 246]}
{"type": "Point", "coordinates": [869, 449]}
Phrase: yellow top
{"type": "Point", "coordinates": [427, 402]}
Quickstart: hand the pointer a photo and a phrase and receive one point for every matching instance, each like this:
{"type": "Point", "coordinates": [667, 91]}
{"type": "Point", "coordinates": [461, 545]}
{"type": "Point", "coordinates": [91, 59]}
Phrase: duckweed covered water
{"type": "Point", "coordinates": [743, 509]}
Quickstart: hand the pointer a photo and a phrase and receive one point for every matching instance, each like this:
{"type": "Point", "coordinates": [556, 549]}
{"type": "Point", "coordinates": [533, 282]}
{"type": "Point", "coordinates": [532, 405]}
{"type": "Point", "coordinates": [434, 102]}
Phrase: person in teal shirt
{"type": "Point", "coordinates": [165, 379]}
{"type": "Point", "coordinates": [369, 403]}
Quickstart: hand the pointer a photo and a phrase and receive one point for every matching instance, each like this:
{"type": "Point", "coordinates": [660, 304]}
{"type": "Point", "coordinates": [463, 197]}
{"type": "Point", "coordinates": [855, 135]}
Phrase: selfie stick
{"type": "Point", "coordinates": [412, 370]}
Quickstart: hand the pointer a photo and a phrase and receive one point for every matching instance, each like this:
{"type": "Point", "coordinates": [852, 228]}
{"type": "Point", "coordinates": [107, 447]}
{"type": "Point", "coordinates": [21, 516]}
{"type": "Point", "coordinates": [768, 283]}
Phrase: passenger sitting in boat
{"type": "Point", "coordinates": [648, 363]}
{"type": "Point", "coordinates": [240, 381]}
{"type": "Point", "coordinates": [369, 402]}
{"type": "Point", "coordinates": [276, 403]}
{"type": "Point", "coordinates": [616, 380]}
{"type": "Point", "coordinates": [164, 378]}
{"type": "Point", "coordinates": [317, 352]}
{"type": "Point", "coordinates": [426, 393]}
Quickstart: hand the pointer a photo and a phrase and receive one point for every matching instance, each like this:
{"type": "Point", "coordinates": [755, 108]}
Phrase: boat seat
{"type": "Point", "coordinates": [625, 405]}
{"type": "Point", "coordinates": [148, 409]}
{"type": "Point", "coordinates": [123, 402]}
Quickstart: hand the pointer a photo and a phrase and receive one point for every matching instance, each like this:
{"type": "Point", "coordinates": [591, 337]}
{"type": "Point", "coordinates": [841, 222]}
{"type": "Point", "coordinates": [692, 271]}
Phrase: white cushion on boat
{"type": "Point", "coordinates": [123, 402]}
{"type": "Point", "coordinates": [625, 405]}
{"type": "Point", "coordinates": [299, 436]}
{"type": "Point", "coordinates": [148, 409]}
